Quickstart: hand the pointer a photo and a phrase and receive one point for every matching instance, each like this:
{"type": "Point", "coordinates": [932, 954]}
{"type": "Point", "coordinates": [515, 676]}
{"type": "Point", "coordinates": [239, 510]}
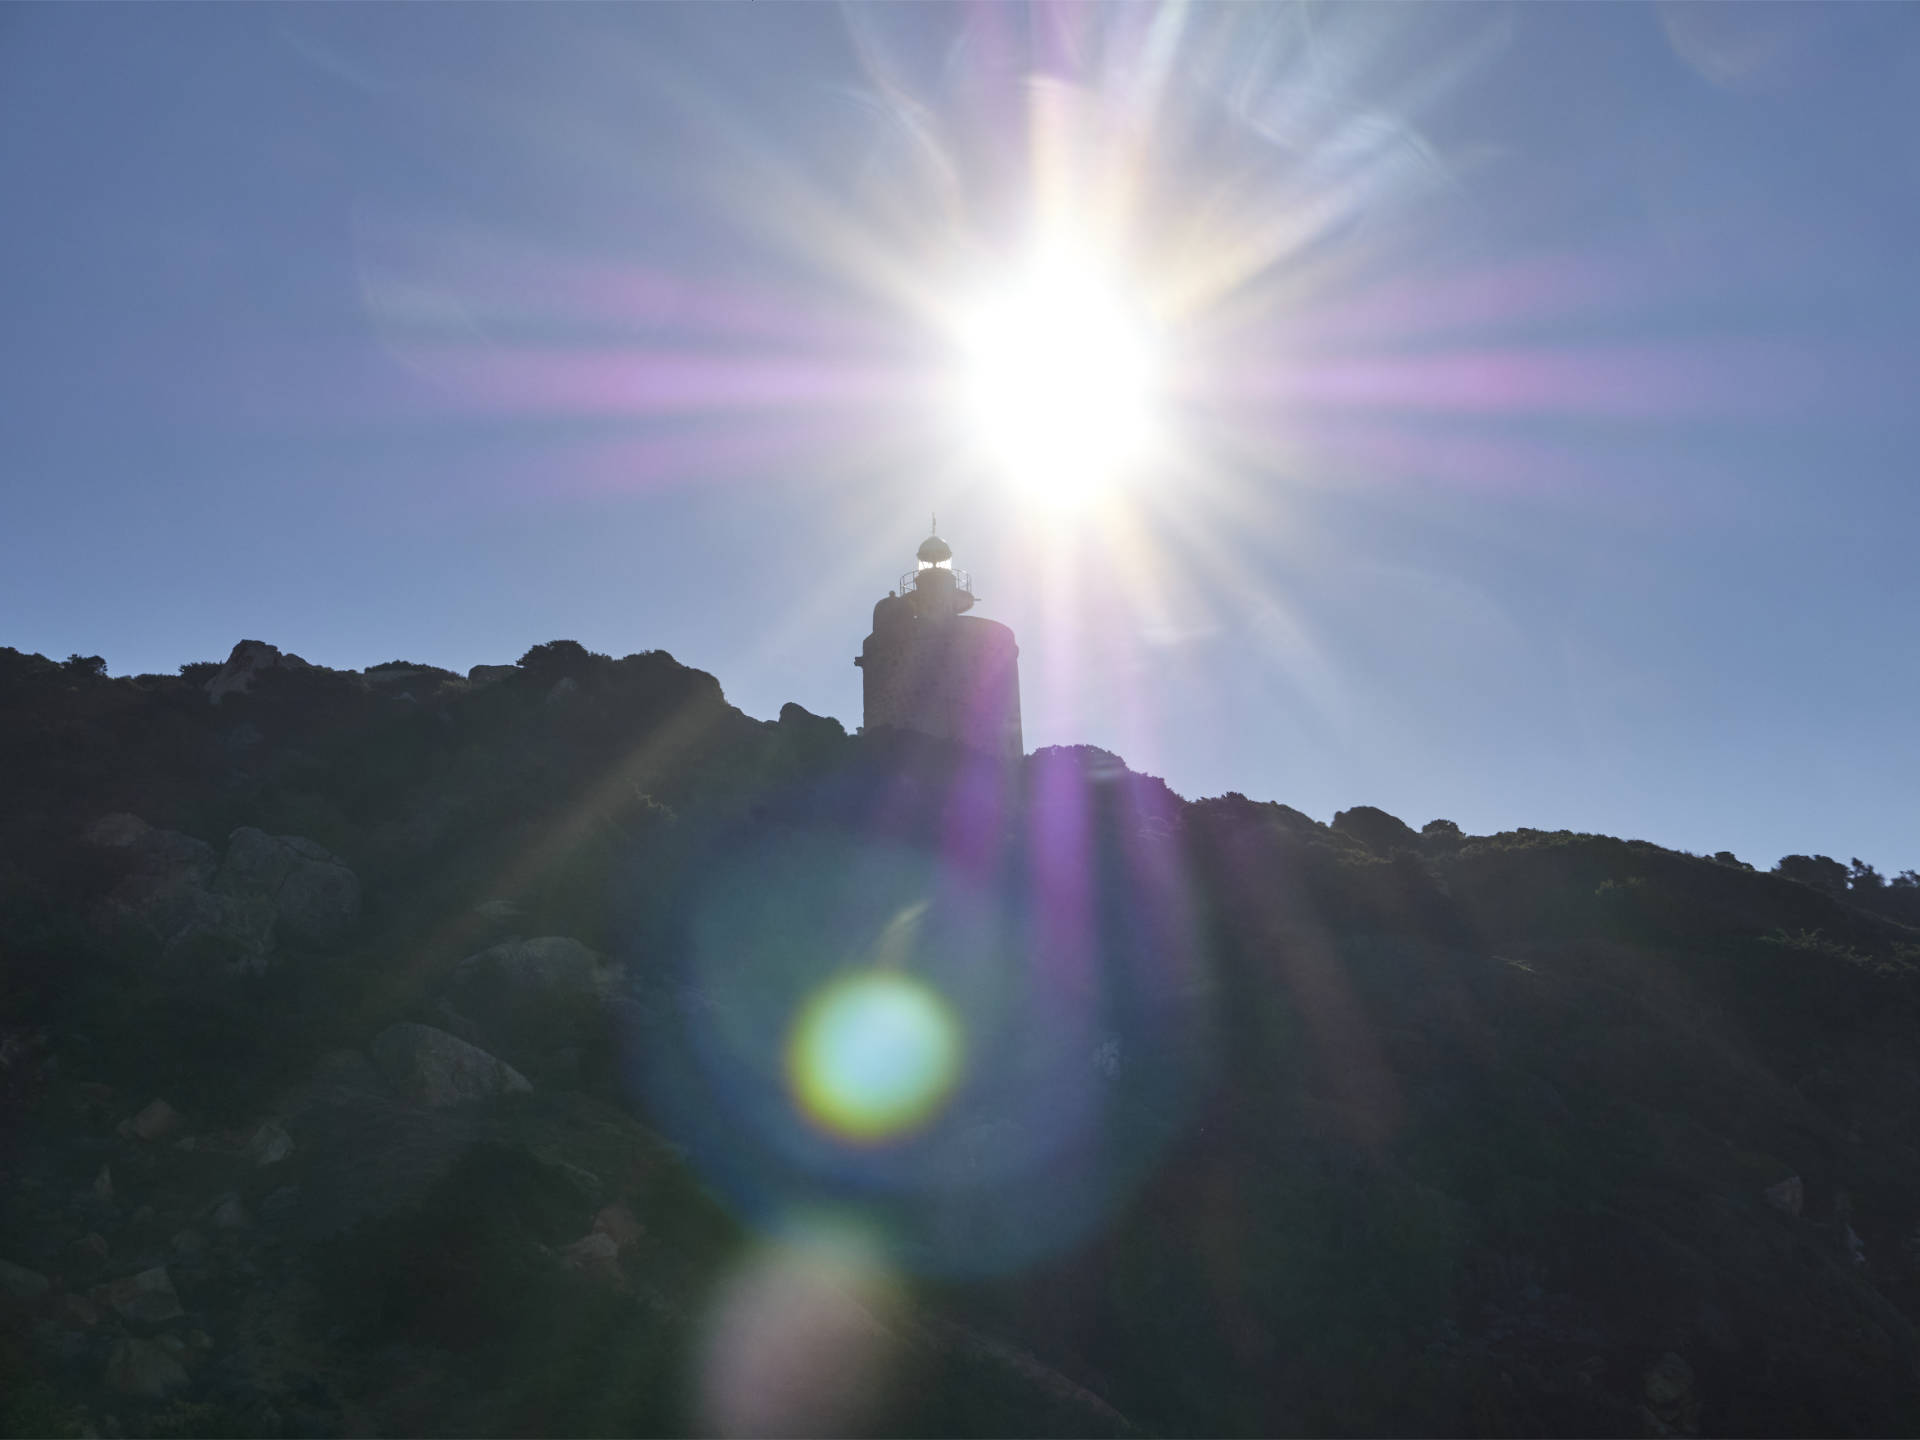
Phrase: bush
{"type": "Point", "coordinates": [1820, 871]}
{"type": "Point", "coordinates": [1376, 829]}
{"type": "Point", "coordinates": [557, 658]}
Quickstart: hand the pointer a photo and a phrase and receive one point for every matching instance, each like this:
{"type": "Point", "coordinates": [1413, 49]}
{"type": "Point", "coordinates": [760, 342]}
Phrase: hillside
{"type": "Point", "coordinates": [406, 1052]}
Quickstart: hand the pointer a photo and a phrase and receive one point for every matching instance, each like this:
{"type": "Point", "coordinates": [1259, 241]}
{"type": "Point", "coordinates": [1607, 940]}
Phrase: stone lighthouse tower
{"type": "Point", "coordinates": [931, 667]}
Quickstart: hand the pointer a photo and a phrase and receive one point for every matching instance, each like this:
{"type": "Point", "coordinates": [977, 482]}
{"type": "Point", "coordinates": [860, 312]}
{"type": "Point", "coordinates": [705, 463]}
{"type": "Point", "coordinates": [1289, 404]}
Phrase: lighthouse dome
{"type": "Point", "coordinates": [934, 551]}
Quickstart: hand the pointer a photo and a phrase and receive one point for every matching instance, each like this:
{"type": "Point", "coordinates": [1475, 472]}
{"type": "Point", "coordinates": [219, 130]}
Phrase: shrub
{"type": "Point", "coordinates": [1376, 829]}
{"type": "Point", "coordinates": [557, 658]}
{"type": "Point", "coordinates": [1820, 871]}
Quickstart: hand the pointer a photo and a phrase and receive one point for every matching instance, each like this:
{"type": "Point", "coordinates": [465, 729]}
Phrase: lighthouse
{"type": "Point", "coordinates": [932, 668]}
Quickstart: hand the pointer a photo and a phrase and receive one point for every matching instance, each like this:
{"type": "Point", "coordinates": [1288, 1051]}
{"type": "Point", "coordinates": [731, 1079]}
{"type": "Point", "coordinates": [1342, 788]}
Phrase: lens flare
{"type": "Point", "coordinates": [1059, 384]}
{"type": "Point", "coordinates": [873, 1056]}
{"type": "Point", "coordinates": [800, 1340]}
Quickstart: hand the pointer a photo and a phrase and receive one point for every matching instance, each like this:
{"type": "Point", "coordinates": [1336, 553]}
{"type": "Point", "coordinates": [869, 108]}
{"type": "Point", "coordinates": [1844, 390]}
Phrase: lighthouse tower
{"type": "Point", "coordinates": [930, 667]}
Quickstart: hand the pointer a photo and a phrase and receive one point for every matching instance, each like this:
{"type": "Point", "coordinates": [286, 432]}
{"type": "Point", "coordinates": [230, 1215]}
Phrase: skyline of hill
{"type": "Point", "coordinates": [1871, 884]}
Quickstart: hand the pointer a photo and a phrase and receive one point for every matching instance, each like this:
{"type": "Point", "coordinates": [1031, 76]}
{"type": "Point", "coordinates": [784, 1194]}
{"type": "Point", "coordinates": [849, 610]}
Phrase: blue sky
{"type": "Point", "coordinates": [1551, 460]}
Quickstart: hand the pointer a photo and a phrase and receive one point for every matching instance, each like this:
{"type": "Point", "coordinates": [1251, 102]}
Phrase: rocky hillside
{"type": "Point", "coordinates": [406, 1052]}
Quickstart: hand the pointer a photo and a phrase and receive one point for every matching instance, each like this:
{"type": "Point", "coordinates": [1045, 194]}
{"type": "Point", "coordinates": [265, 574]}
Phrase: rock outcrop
{"type": "Point", "coordinates": [432, 1068]}
{"type": "Point", "coordinates": [315, 897]}
{"type": "Point", "coordinates": [267, 890]}
{"type": "Point", "coordinates": [247, 660]}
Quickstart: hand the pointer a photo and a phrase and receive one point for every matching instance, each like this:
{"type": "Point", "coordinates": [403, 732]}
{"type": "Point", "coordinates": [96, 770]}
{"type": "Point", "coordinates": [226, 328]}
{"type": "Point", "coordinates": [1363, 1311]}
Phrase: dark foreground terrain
{"type": "Point", "coordinates": [404, 1052]}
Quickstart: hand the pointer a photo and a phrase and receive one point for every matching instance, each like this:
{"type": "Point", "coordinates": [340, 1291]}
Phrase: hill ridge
{"type": "Point", "coordinates": [384, 1048]}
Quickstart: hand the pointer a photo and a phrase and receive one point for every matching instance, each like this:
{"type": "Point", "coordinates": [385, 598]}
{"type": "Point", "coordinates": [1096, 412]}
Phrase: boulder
{"type": "Point", "coordinates": [145, 1368]}
{"type": "Point", "coordinates": [319, 903]}
{"type": "Point", "coordinates": [164, 884]}
{"type": "Point", "coordinates": [618, 1224]}
{"type": "Point", "coordinates": [269, 1144]}
{"type": "Point", "coordinates": [1788, 1196]}
{"type": "Point", "coordinates": [432, 1068]}
{"type": "Point", "coordinates": [227, 1213]}
{"type": "Point", "coordinates": [147, 1298]}
{"type": "Point", "coordinates": [248, 659]}
{"type": "Point", "coordinates": [314, 895]}
{"type": "Point", "coordinates": [156, 1122]}
{"type": "Point", "coordinates": [556, 964]}
{"type": "Point", "coordinates": [176, 890]}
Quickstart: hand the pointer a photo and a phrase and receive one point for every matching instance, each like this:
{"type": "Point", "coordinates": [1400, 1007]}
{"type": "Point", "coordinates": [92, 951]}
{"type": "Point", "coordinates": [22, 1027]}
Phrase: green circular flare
{"type": "Point", "coordinates": [873, 1056]}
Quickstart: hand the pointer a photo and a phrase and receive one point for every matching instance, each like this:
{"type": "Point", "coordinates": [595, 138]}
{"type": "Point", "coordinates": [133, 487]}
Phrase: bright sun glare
{"type": "Point", "coordinates": [1059, 384]}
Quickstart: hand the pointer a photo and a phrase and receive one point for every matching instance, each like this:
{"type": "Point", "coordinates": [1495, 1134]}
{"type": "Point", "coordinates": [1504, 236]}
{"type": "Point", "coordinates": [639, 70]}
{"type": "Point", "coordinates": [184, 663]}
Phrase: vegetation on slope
{"type": "Point", "coordinates": [1270, 1126]}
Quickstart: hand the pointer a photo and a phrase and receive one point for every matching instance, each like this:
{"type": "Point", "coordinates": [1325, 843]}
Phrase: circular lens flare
{"type": "Point", "coordinates": [799, 1339]}
{"type": "Point", "coordinates": [873, 1055]}
{"type": "Point", "coordinates": [1060, 381]}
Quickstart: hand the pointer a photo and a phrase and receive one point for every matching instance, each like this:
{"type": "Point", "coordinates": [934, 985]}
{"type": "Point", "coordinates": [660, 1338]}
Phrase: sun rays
{"type": "Point", "coordinates": [1164, 277]}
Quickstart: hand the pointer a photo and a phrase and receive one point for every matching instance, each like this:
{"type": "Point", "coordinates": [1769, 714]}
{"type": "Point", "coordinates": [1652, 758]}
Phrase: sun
{"type": "Point", "coordinates": [1059, 381]}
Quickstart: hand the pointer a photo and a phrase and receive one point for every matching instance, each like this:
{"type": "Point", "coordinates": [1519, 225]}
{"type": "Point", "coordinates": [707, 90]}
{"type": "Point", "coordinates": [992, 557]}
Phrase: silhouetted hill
{"type": "Point", "coordinates": [403, 1051]}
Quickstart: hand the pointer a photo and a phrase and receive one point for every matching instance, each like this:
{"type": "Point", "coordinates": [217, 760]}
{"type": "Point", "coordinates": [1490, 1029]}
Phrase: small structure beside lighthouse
{"type": "Point", "coordinates": [930, 667]}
